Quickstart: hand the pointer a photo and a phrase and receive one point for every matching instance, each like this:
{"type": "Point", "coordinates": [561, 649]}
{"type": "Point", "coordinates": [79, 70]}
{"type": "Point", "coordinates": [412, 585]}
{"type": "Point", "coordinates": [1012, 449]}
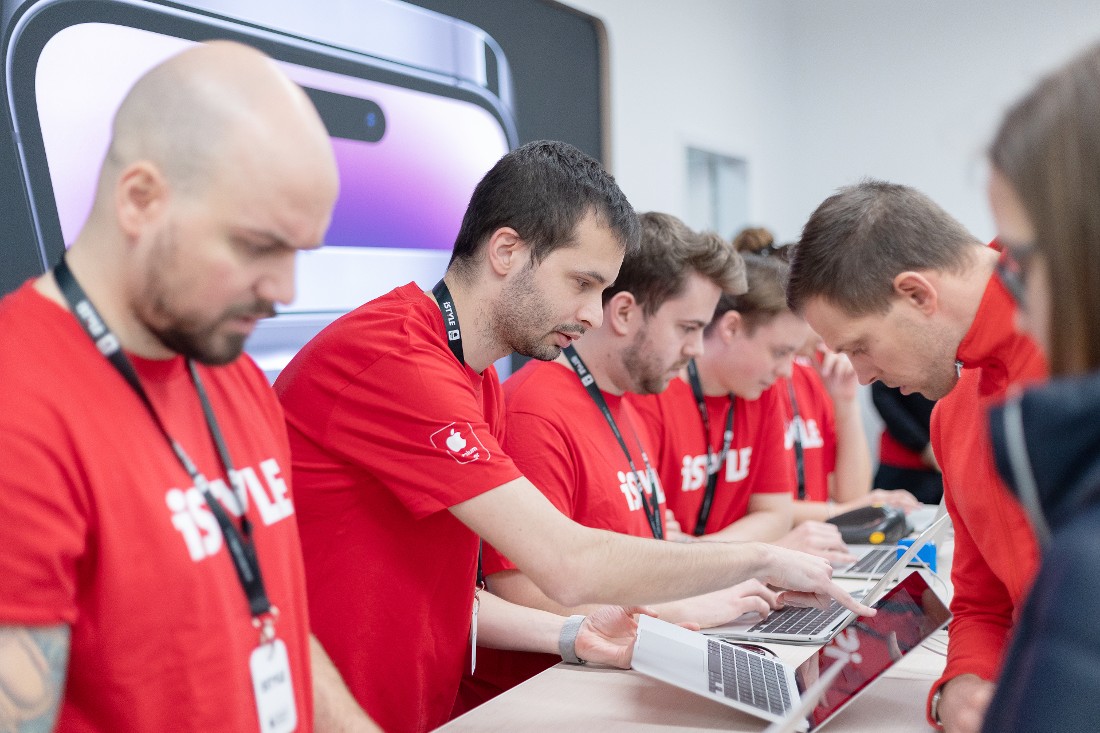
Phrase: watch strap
{"type": "Point", "coordinates": [567, 641]}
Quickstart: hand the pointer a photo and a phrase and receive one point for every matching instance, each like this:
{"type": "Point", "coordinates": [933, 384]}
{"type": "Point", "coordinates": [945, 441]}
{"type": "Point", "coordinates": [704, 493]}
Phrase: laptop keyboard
{"type": "Point", "coordinates": [747, 677]}
{"type": "Point", "coordinates": [802, 621]}
{"type": "Point", "coordinates": [877, 560]}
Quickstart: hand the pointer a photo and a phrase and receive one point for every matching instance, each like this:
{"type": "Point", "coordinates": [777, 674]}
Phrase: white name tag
{"type": "Point", "coordinates": [274, 690]}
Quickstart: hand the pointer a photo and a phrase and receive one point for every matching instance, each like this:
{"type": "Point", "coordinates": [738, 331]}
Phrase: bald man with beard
{"type": "Point", "coordinates": [151, 577]}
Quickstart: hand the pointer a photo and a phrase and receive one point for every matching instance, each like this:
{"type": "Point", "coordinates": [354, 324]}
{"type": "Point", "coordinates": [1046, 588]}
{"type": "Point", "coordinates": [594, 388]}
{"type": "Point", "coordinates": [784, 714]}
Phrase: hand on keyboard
{"type": "Point", "coordinates": [818, 538]}
{"type": "Point", "coordinates": [806, 580]}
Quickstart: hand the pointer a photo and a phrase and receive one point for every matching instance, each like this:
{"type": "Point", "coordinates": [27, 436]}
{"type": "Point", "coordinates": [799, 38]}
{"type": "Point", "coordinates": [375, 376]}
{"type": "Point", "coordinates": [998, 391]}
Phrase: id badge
{"type": "Point", "coordinates": [473, 634]}
{"type": "Point", "coordinates": [273, 687]}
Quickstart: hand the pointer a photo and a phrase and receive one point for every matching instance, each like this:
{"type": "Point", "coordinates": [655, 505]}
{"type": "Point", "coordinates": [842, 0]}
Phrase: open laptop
{"type": "Point", "coordinates": [798, 625]}
{"type": "Point", "coordinates": [872, 561]}
{"type": "Point", "coordinates": [773, 690]}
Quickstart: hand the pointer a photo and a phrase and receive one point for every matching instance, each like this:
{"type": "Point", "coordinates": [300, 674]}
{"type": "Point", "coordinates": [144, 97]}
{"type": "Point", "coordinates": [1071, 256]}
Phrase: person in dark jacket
{"type": "Point", "coordinates": [905, 457]}
{"type": "Point", "coordinates": [1045, 195]}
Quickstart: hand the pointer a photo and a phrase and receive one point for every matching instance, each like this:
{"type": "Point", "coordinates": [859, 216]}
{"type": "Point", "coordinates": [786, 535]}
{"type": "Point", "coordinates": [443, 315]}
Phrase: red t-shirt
{"type": "Point", "coordinates": [995, 550]}
{"type": "Point", "coordinates": [388, 430]}
{"type": "Point", "coordinates": [560, 440]}
{"type": "Point", "coordinates": [757, 462]}
{"type": "Point", "coordinates": [892, 453]}
{"type": "Point", "coordinates": [816, 422]}
{"type": "Point", "coordinates": [102, 529]}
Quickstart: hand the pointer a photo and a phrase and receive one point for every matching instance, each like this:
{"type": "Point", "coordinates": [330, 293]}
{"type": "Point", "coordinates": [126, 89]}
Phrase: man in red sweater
{"type": "Point", "coordinates": [887, 277]}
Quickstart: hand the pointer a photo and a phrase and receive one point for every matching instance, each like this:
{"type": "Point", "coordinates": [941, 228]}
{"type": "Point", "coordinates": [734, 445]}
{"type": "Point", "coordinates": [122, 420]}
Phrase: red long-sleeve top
{"type": "Point", "coordinates": [995, 551]}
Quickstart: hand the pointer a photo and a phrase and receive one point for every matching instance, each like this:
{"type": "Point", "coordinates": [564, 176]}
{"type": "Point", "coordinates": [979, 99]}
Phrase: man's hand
{"type": "Point", "coordinates": [820, 539]}
{"type": "Point", "coordinates": [806, 580]}
{"type": "Point", "coordinates": [897, 498]}
{"type": "Point", "coordinates": [838, 375]}
{"type": "Point", "coordinates": [607, 635]}
{"type": "Point", "coordinates": [723, 606]}
{"type": "Point", "coordinates": [963, 701]}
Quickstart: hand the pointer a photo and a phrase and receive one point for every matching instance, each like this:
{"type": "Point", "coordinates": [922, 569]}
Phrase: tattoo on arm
{"type": "Point", "coordinates": [33, 665]}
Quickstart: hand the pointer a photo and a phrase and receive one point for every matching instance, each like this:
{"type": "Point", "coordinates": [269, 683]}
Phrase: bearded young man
{"type": "Point", "coordinates": [396, 419]}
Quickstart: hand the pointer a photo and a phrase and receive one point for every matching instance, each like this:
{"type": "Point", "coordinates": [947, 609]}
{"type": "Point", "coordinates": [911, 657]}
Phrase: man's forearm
{"type": "Point", "coordinates": [611, 570]}
{"type": "Point", "coordinates": [515, 588]}
{"type": "Point", "coordinates": [334, 708]}
{"type": "Point", "coordinates": [506, 625]}
{"type": "Point", "coordinates": [765, 525]}
{"type": "Point", "coordinates": [574, 564]}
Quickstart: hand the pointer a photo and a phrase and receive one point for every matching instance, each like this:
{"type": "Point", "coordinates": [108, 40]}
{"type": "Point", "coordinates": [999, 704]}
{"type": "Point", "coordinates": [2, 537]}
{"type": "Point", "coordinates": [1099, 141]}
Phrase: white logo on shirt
{"type": "Point", "coordinates": [194, 521]}
{"type": "Point", "coordinates": [807, 430]}
{"type": "Point", "coordinates": [628, 484]}
{"type": "Point", "coordinates": [460, 442]}
{"type": "Point", "coordinates": [693, 469]}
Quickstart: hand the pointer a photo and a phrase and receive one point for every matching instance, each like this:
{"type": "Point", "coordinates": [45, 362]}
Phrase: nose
{"type": "Point", "coordinates": [276, 284]}
{"type": "Point", "coordinates": [694, 345]}
{"type": "Point", "coordinates": [786, 366]}
{"type": "Point", "coordinates": [864, 373]}
{"type": "Point", "coordinates": [591, 313]}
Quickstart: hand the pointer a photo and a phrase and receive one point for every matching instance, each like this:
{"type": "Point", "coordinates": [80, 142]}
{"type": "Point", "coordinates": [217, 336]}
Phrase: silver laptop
{"type": "Point", "coordinates": [921, 518]}
{"type": "Point", "coordinates": [773, 690]}
{"type": "Point", "coordinates": [797, 625]}
{"type": "Point", "coordinates": [872, 561]}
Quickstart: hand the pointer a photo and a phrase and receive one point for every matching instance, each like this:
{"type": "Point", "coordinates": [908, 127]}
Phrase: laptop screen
{"type": "Point", "coordinates": [907, 615]}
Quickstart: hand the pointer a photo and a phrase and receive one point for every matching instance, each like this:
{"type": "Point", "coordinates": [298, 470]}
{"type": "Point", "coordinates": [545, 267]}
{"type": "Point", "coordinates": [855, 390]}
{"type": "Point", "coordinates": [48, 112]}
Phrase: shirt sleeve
{"type": "Point", "coordinates": [981, 605]}
{"type": "Point", "coordinates": [44, 527]}
{"type": "Point", "coordinates": [421, 428]}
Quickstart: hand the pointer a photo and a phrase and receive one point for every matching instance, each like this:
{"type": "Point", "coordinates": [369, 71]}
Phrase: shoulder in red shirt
{"type": "Point", "coordinates": [104, 531]}
{"type": "Point", "coordinates": [388, 430]}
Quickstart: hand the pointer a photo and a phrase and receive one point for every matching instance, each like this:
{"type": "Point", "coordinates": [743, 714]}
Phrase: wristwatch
{"type": "Point", "coordinates": [567, 642]}
{"type": "Point", "coordinates": [934, 708]}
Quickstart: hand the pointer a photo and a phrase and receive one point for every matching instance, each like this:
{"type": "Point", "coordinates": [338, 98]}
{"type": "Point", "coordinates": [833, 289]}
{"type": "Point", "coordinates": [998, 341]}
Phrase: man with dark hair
{"type": "Point", "coordinates": [396, 420]}
{"type": "Point", "coordinates": [150, 572]}
{"type": "Point", "coordinates": [566, 418]}
{"type": "Point", "coordinates": [719, 434]}
{"type": "Point", "coordinates": [887, 277]}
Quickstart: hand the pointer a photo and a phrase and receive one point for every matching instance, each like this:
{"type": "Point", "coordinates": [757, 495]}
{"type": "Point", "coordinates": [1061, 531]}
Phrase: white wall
{"type": "Point", "coordinates": [818, 94]}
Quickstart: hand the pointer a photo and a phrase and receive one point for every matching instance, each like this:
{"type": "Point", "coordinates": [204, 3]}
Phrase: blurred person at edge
{"type": "Point", "coordinates": [891, 280]}
{"type": "Point", "coordinates": [1044, 191]}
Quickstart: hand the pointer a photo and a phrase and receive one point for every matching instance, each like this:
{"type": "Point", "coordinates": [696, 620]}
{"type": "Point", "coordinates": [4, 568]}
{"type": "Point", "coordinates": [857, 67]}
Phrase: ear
{"type": "Point", "coordinates": [622, 314]}
{"type": "Point", "coordinates": [141, 196]}
{"type": "Point", "coordinates": [917, 290]}
{"type": "Point", "coordinates": [729, 325]}
{"type": "Point", "coordinates": [506, 251]}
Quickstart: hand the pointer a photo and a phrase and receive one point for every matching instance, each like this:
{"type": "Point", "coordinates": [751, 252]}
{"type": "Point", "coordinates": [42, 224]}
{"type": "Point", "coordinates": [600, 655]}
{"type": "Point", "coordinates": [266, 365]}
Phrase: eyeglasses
{"type": "Point", "coordinates": [1013, 269]}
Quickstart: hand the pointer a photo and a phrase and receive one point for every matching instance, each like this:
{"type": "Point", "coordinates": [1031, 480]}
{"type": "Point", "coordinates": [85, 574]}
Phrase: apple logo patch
{"type": "Point", "coordinates": [459, 440]}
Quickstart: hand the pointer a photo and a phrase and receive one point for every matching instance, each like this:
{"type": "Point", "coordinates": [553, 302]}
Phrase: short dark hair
{"type": "Point", "coordinates": [542, 190]}
{"type": "Point", "coordinates": [1048, 150]}
{"type": "Point", "coordinates": [764, 297]}
{"type": "Point", "coordinates": [863, 236]}
{"type": "Point", "coordinates": [668, 252]}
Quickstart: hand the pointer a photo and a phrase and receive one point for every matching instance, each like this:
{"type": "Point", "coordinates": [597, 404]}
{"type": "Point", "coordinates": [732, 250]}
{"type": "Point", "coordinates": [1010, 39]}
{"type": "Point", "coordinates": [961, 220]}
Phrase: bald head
{"type": "Point", "coordinates": [185, 114]}
{"type": "Point", "coordinates": [219, 171]}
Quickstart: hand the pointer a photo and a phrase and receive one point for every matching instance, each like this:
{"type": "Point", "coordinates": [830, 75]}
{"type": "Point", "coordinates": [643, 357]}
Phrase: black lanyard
{"type": "Point", "coordinates": [799, 459]}
{"type": "Point", "coordinates": [652, 512]}
{"type": "Point", "coordinates": [450, 319]}
{"type": "Point", "coordinates": [242, 550]}
{"type": "Point", "coordinates": [454, 341]}
{"type": "Point", "coordinates": [713, 466]}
